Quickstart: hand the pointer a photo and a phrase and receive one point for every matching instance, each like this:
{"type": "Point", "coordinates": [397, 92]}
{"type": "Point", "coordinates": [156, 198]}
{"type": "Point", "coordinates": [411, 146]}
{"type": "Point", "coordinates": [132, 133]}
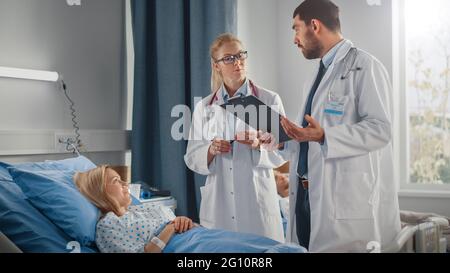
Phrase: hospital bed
{"type": "Point", "coordinates": [42, 211]}
{"type": "Point", "coordinates": [427, 236]}
{"type": "Point", "coordinates": [421, 233]}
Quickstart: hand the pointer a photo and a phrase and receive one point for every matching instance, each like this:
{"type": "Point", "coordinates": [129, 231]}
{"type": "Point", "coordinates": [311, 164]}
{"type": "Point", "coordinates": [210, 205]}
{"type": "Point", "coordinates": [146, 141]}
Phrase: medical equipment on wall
{"type": "Point", "coordinates": [28, 74]}
{"type": "Point", "coordinates": [40, 75]}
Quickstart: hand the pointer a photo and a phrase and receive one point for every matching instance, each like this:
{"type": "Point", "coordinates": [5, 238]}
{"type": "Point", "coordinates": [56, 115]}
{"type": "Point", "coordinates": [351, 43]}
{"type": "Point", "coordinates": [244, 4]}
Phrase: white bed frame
{"type": "Point", "coordinates": [426, 237]}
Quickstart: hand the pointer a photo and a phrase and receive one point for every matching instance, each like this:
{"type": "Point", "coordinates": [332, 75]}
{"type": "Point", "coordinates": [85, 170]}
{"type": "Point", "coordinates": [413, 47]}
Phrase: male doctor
{"type": "Point", "coordinates": [343, 196]}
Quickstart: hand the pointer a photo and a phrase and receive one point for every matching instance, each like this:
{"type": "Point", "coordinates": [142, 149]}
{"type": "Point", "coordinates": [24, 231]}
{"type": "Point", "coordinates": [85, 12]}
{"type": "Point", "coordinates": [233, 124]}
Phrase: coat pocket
{"type": "Point", "coordinates": [266, 192]}
{"type": "Point", "coordinates": [335, 110]}
{"type": "Point", "coordinates": [206, 214]}
{"type": "Point", "coordinates": [353, 196]}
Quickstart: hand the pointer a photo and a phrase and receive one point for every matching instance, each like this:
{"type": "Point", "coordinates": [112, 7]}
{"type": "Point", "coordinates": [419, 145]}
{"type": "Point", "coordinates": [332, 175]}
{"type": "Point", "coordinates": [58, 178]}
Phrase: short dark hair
{"type": "Point", "coordinates": [323, 10]}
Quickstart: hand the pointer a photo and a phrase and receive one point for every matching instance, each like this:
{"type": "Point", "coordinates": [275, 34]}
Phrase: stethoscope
{"type": "Point", "coordinates": [351, 55]}
{"type": "Point", "coordinates": [353, 50]}
{"type": "Point", "coordinates": [253, 89]}
{"type": "Point", "coordinates": [215, 98]}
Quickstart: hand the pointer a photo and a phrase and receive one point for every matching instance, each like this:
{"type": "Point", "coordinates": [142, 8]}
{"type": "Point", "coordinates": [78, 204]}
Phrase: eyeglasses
{"type": "Point", "coordinates": [233, 58]}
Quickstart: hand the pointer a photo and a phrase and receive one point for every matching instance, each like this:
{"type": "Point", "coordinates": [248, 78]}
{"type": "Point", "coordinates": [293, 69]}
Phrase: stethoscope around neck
{"type": "Point", "coordinates": [210, 111]}
{"type": "Point", "coordinates": [353, 54]}
{"type": "Point", "coordinates": [253, 89]}
{"type": "Point", "coordinates": [352, 68]}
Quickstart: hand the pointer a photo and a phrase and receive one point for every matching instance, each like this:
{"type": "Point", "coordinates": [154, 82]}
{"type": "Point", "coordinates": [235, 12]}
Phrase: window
{"type": "Point", "coordinates": [422, 50]}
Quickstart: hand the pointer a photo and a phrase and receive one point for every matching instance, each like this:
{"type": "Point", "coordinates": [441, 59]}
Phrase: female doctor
{"type": "Point", "coordinates": [240, 192]}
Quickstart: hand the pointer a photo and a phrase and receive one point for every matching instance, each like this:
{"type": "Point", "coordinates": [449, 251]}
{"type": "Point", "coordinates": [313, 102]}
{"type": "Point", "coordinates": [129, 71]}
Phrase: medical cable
{"type": "Point", "coordinates": [74, 122]}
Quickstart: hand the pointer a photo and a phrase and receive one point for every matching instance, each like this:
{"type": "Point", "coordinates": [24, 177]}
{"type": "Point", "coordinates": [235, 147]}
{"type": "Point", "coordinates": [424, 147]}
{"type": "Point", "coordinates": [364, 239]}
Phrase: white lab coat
{"type": "Point", "coordinates": [240, 192]}
{"type": "Point", "coordinates": [352, 189]}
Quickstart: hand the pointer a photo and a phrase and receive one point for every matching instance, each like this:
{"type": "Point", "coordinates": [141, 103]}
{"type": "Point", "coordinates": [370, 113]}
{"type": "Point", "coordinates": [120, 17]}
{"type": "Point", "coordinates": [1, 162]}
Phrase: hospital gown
{"type": "Point", "coordinates": [132, 231]}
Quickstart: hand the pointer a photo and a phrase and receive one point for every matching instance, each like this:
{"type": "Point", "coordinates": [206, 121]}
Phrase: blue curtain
{"type": "Point", "coordinates": [172, 66]}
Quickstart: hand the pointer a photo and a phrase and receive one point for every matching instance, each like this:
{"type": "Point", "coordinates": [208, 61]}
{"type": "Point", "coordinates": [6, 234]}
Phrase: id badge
{"type": "Point", "coordinates": [335, 108]}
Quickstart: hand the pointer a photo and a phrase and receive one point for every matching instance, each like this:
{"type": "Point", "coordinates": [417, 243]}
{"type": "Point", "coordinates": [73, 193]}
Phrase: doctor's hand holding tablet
{"type": "Point", "coordinates": [253, 139]}
{"type": "Point", "coordinates": [258, 139]}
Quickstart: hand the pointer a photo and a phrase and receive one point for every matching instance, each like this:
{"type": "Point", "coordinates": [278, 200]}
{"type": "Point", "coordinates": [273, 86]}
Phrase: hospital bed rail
{"type": "Point", "coordinates": [6, 246]}
{"type": "Point", "coordinates": [423, 237]}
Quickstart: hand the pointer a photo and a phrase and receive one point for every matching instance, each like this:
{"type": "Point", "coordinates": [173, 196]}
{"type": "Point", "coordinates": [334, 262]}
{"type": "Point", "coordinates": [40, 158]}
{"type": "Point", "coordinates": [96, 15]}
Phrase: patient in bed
{"type": "Point", "coordinates": [153, 228]}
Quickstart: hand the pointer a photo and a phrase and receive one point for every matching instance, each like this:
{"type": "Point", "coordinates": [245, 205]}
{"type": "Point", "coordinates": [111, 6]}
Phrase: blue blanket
{"type": "Point", "coordinates": [203, 240]}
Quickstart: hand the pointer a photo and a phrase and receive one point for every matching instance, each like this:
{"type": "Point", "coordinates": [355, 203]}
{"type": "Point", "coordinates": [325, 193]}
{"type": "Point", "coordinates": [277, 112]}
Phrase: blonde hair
{"type": "Point", "coordinates": [92, 184]}
{"type": "Point", "coordinates": [216, 77]}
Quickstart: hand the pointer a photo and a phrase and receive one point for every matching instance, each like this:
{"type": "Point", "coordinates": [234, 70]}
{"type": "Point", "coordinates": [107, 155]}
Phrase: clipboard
{"type": "Point", "coordinates": [259, 115]}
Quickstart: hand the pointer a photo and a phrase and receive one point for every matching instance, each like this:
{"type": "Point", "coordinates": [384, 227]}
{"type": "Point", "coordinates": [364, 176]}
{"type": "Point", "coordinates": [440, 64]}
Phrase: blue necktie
{"type": "Point", "coordinates": [302, 209]}
{"type": "Point", "coordinates": [302, 167]}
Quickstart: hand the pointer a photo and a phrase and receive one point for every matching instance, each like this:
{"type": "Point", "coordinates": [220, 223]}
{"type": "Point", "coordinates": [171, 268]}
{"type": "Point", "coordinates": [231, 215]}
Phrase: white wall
{"type": "Point", "coordinates": [265, 27]}
{"type": "Point", "coordinates": [86, 44]}
{"type": "Point", "coordinates": [256, 26]}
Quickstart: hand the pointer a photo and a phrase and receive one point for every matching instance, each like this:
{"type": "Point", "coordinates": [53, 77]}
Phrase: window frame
{"type": "Point", "coordinates": [401, 139]}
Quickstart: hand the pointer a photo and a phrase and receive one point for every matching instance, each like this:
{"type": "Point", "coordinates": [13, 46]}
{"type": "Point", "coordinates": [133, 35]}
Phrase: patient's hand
{"type": "Point", "coordinates": [282, 182]}
{"type": "Point", "coordinates": [182, 224]}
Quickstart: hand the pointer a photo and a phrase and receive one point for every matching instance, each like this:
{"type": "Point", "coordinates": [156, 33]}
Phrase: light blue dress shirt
{"type": "Point", "coordinates": [231, 119]}
{"type": "Point", "coordinates": [327, 60]}
{"type": "Point", "coordinates": [331, 54]}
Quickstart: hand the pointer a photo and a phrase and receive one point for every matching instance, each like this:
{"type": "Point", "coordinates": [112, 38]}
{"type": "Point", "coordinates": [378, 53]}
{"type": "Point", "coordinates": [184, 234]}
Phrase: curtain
{"type": "Point", "coordinates": [172, 66]}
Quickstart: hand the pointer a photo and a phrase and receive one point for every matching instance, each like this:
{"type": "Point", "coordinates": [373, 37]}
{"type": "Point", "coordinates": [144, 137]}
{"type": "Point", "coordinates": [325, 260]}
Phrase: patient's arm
{"type": "Point", "coordinates": [180, 224]}
{"type": "Point", "coordinates": [164, 236]}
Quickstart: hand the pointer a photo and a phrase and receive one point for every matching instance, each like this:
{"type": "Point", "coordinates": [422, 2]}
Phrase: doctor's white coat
{"type": "Point", "coordinates": [352, 189]}
{"type": "Point", "coordinates": [240, 192]}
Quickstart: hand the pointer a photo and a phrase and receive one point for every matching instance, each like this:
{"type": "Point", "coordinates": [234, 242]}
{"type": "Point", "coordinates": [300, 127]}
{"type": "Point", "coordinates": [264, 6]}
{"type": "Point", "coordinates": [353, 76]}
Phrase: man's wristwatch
{"type": "Point", "coordinates": [158, 242]}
